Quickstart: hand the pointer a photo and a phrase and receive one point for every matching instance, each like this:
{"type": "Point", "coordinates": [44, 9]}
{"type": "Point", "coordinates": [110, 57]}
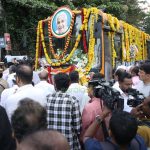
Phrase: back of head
{"type": "Point", "coordinates": [24, 73]}
{"type": "Point", "coordinates": [12, 69]}
{"type": "Point", "coordinates": [43, 75]}
{"type": "Point", "coordinates": [61, 82]}
{"type": "Point", "coordinates": [95, 70]}
{"type": "Point", "coordinates": [44, 140]}
{"type": "Point", "coordinates": [97, 76]}
{"type": "Point", "coordinates": [135, 71]}
{"type": "Point", "coordinates": [123, 127]}
{"type": "Point", "coordinates": [29, 117]}
{"type": "Point", "coordinates": [74, 76]}
{"type": "Point", "coordinates": [119, 72]}
{"type": "Point", "coordinates": [28, 62]}
{"type": "Point", "coordinates": [145, 67]}
{"type": "Point", "coordinates": [124, 75]}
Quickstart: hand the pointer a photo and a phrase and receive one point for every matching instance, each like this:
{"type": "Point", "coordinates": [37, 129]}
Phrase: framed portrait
{"type": "Point", "coordinates": [61, 21]}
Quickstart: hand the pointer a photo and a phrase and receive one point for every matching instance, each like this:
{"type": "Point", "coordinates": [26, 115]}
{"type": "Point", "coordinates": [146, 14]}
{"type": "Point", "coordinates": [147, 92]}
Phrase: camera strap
{"type": "Point", "coordinates": [103, 124]}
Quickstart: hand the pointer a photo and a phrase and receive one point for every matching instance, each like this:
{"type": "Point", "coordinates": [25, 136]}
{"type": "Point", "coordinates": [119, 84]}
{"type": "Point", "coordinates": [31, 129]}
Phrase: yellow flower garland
{"type": "Point", "coordinates": [113, 22]}
{"type": "Point", "coordinates": [37, 48]}
{"type": "Point", "coordinates": [136, 37]}
{"type": "Point", "coordinates": [58, 63]}
{"type": "Point", "coordinates": [131, 35]}
{"type": "Point", "coordinates": [113, 51]}
{"type": "Point", "coordinates": [56, 56]}
{"type": "Point", "coordinates": [94, 17]}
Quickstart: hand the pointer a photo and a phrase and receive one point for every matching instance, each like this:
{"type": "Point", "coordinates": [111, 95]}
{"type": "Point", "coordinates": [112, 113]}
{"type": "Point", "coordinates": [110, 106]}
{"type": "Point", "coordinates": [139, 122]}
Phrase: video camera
{"type": "Point", "coordinates": [111, 97]}
{"type": "Point", "coordinates": [135, 97]}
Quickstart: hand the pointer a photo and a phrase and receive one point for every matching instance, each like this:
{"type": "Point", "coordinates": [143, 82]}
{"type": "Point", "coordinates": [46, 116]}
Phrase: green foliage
{"type": "Point", "coordinates": [45, 4]}
{"type": "Point", "coordinates": [147, 23]}
{"type": "Point", "coordinates": [20, 17]}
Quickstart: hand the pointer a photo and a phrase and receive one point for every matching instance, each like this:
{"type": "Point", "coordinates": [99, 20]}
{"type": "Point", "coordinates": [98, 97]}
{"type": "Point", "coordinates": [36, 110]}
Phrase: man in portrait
{"type": "Point", "coordinates": [61, 22]}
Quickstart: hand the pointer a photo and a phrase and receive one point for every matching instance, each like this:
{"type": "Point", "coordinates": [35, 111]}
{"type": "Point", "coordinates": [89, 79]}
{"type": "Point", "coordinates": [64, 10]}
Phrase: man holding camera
{"type": "Point", "coordinates": [122, 133]}
{"type": "Point", "coordinates": [142, 112]}
{"type": "Point", "coordinates": [125, 83]}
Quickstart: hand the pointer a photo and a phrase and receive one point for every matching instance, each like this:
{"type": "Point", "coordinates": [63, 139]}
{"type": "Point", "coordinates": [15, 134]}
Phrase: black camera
{"type": "Point", "coordinates": [111, 97]}
{"type": "Point", "coordinates": [135, 98]}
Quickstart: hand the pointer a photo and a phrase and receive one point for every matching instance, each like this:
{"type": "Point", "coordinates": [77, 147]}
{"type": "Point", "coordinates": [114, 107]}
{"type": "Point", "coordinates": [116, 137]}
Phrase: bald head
{"type": "Point", "coordinates": [44, 140]}
{"type": "Point", "coordinates": [24, 73]}
{"type": "Point", "coordinates": [43, 75]}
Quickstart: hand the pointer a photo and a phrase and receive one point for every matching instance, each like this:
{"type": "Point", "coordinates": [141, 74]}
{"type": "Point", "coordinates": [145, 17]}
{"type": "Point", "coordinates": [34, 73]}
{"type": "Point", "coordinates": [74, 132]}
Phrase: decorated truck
{"type": "Point", "coordinates": [88, 38]}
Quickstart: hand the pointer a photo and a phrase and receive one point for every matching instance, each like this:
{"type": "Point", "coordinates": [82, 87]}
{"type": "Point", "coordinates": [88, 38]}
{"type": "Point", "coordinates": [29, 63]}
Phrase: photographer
{"type": "Point", "coordinates": [90, 111]}
{"type": "Point", "coordinates": [122, 133]}
{"type": "Point", "coordinates": [142, 112]}
{"type": "Point", "coordinates": [125, 83]}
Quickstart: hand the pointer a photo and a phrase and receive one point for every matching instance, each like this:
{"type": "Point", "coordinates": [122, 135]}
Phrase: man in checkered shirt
{"type": "Point", "coordinates": [63, 113]}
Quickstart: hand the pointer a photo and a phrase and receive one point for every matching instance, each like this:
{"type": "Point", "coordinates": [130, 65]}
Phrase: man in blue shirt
{"type": "Point", "coordinates": [122, 133]}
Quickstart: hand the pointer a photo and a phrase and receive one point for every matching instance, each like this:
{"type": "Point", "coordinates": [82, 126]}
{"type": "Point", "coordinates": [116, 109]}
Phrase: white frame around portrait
{"type": "Point", "coordinates": [68, 13]}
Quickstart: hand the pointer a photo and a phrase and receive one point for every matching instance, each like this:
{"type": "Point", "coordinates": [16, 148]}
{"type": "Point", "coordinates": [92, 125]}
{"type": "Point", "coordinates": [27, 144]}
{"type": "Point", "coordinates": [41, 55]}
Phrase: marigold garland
{"type": "Point", "coordinates": [131, 35]}
{"type": "Point", "coordinates": [83, 14]}
{"type": "Point", "coordinates": [58, 57]}
{"type": "Point", "coordinates": [113, 51]}
{"type": "Point", "coordinates": [94, 14]}
{"type": "Point", "coordinates": [37, 47]}
{"type": "Point", "coordinates": [58, 63]}
{"type": "Point", "coordinates": [66, 70]}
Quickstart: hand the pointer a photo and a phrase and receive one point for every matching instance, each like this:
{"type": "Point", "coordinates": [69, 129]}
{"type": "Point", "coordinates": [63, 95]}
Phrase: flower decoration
{"type": "Point", "coordinates": [58, 57]}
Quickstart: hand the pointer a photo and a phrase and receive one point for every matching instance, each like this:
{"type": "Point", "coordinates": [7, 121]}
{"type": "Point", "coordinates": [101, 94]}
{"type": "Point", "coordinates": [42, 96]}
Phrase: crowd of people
{"type": "Point", "coordinates": [65, 115]}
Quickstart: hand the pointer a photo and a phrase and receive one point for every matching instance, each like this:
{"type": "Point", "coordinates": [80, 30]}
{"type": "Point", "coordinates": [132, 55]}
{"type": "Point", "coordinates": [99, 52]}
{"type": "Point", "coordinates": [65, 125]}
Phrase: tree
{"type": "Point", "coordinates": [147, 23]}
{"type": "Point", "coordinates": [20, 17]}
{"type": "Point", "coordinates": [20, 20]}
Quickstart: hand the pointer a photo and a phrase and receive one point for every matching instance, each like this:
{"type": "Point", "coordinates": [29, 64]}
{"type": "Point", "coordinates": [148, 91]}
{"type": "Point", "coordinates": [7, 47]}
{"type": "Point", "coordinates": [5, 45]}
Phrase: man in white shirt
{"type": "Point", "coordinates": [24, 75]}
{"type": "Point", "coordinates": [5, 74]}
{"type": "Point", "coordinates": [43, 84]}
{"type": "Point", "coordinates": [11, 76]}
{"type": "Point", "coordinates": [125, 82]}
{"type": "Point", "coordinates": [144, 85]}
{"type": "Point", "coordinates": [77, 90]}
{"type": "Point", "coordinates": [7, 92]}
{"type": "Point", "coordinates": [35, 78]}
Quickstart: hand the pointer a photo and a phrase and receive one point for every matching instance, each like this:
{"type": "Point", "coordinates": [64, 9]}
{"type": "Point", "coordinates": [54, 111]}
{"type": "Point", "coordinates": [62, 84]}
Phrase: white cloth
{"type": "Point", "coordinates": [80, 92]}
{"type": "Point", "coordinates": [122, 67]}
{"type": "Point", "coordinates": [10, 79]}
{"type": "Point", "coordinates": [6, 93]}
{"type": "Point", "coordinates": [46, 87]}
{"type": "Point", "coordinates": [125, 97]}
{"type": "Point", "coordinates": [116, 85]}
{"type": "Point", "coordinates": [5, 74]}
{"type": "Point", "coordinates": [143, 88]}
{"type": "Point", "coordinates": [26, 91]}
{"type": "Point", "coordinates": [85, 101]}
{"type": "Point", "coordinates": [36, 78]}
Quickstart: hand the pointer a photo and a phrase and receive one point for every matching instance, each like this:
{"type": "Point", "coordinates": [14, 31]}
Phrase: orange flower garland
{"type": "Point", "coordinates": [66, 70]}
{"type": "Point", "coordinates": [59, 62]}
{"type": "Point", "coordinates": [67, 43]}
